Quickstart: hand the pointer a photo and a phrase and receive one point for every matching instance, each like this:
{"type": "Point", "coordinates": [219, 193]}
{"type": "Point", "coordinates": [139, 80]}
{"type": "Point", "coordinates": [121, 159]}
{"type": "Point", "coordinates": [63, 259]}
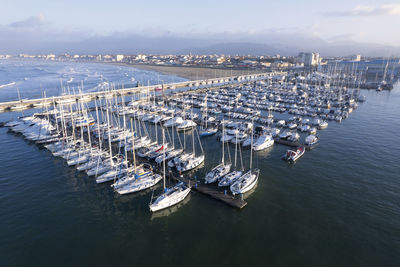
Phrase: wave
{"type": "Point", "coordinates": [7, 84]}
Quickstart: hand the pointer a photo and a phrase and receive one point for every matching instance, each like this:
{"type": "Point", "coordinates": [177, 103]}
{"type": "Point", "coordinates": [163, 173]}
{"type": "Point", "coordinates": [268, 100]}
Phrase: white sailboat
{"type": "Point", "coordinates": [220, 170]}
{"type": "Point", "coordinates": [140, 179]}
{"type": "Point", "coordinates": [235, 174]}
{"type": "Point", "coordinates": [171, 196]}
{"type": "Point", "coordinates": [192, 161]}
{"type": "Point", "coordinates": [207, 130]}
{"type": "Point", "coordinates": [248, 180]}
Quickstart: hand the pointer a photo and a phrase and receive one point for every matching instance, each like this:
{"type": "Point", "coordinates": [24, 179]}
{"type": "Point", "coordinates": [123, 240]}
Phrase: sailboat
{"type": "Point", "coordinates": [171, 196]}
{"type": "Point", "coordinates": [172, 153]}
{"type": "Point", "coordinates": [248, 180]}
{"type": "Point", "coordinates": [192, 161]}
{"type": "Point", "coordinates": [220, 170]}
{"type": "Point", "coordinates": [21, 105]}
{"type": "Point", "coordinates": [140, 179]}
{"type": "Point", "coordinates": [207, 130]}
{"type": "Point", "coordinates": [232, 176]}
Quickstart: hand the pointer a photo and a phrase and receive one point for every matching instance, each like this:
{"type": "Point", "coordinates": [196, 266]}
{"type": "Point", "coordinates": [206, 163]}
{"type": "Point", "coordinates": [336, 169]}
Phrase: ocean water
{"type": "Point", "coordinates": [33, 78]}
{"type": "Point", "coordinates": [339, 205]}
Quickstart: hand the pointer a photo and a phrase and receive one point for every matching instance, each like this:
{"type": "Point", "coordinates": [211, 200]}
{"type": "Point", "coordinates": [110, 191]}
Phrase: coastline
{"type": "Point", "coordinates": [192, 73]}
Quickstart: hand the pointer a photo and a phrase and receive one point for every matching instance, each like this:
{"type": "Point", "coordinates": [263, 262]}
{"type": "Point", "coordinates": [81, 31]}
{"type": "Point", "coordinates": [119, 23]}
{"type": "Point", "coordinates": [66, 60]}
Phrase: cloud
{"type": "Point", "coordinates": [31, 22]}
{"type": "Point", "coordinates": [364, 11]}
{"type": "Point", "coordinates": [36, 35]}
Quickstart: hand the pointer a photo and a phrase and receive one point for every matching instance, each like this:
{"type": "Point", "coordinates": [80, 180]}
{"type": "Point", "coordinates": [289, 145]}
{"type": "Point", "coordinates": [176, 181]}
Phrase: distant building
{"type": "Point", "coordinates": [310, 59]}
{"type": "Point", "coordinates": [355, 58]}
{"type": "Point", "coordinates": [280, 64]}
{"type": "Point", "coordinates": [266, 64]}
{"type": "Point", "coordinates": [119, 57]}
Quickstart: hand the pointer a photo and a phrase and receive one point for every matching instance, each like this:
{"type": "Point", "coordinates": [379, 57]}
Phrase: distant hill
{"type": "Point", "coordinates": [124, 43]}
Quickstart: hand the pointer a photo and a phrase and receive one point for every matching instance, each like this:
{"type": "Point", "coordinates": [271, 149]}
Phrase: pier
{"type": "Point", "coordinates": [171, 88]}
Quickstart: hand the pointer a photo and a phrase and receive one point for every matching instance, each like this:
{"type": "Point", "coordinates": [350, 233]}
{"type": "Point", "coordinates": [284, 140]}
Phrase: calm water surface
{"type": "Point", "coordinates": [337, 206]}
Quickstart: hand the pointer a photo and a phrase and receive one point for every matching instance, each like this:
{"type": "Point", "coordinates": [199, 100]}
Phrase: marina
{"type": "Point", "coordinates": [317, 183]}
{"type": "Point", "coordinates": [148, 134]}
{"type": "Point", "coordinates": [117, 136]}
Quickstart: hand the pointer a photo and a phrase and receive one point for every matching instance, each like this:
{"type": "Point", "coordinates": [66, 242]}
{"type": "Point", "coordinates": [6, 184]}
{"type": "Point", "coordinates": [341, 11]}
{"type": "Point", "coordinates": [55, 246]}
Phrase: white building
{"type": "Point", "coordinates": [356, 58]}
{"type": "Point", "coordinates": [119, 57]}
{"type": "Point", "coordinates": [311, 59]}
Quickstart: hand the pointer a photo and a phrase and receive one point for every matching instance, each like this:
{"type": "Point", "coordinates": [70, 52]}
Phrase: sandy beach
{"type": "Point", "coordinates": [194, 73]}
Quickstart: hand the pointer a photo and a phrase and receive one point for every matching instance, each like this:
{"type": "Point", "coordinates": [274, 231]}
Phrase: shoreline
{"type": "Point", "coordinates": [187, 72]}
{"type": "Point", "coordinates": [191, 73]}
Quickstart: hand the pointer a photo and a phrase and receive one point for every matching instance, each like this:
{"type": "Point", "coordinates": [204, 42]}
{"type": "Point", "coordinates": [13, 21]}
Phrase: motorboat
{"type": "Point", "coordinates": [294, 137]}
{"type": "Point", "coordinates": [323, 125]}
{"type": "Point", "coordinates": [311, 140]}
{"type": "Point", "coordinates": [285, 135]}
{"type": "Point", "coordinates": [263, 142]}
{"type": "Point", "coordinates": [293, 155]}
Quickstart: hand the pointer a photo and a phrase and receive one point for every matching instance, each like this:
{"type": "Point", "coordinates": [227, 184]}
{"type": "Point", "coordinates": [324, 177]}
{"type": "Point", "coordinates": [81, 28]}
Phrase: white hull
{"type": "Point", "coordinates": [245, 183]}
{"type": "Point", "coordinates": [165, 201]}
{"type": "Point", "coordinates": [139, 184]}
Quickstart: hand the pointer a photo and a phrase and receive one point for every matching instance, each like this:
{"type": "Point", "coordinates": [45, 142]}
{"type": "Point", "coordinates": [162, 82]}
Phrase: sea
{"type": "Point", "coordinates": [339, 205]}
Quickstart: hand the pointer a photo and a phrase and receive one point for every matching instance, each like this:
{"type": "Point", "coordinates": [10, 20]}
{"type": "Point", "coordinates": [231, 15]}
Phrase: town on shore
{"type": "Point", "coordinates": [370, 70]}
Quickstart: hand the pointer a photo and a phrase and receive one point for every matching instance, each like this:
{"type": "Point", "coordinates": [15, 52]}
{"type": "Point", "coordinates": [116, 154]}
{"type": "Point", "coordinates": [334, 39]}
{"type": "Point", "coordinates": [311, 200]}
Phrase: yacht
{"type": "Point", "coordinates": [281, 123]}
{"type": "Point", "coordinates": [173, 122]}
{"type": "Point", "coordinates": [323, 125]}
{"type": "Point", "coordinates": [294, 137]}
{"type": "Point", "coordinates": [305, 128]}
{"type": "Point", "coordinates": [169, 155]}
{"type": "Point", "coordinates": [263, 142]}
{"type": "Point", "coordinates": [239, 138]}
{"type": "Point", "coordinates": [170, 197]}
{"type": "Point", "coordinates": [293, 155]}
{"type": "Point", "coordinates": [208, 131]}
{"type": "Point", "coordinates": [285, 135]}
{"type": "Point", "coordinates": [229, 178]}
{"type": "Point", "coordinates": [311, 140]}
{"type": "Point", "coordinates": [190, 163]}
{"type": "Point", "coordinates": [313, 131]}
{"type": "Point", "coordinates": [245, 182]}
{"type": "Point", "coordinates": [217, 173]}
{"type": "Point", "coordinates": [138, 183]}
{"type": "Point", "coordinates": [186, 125]}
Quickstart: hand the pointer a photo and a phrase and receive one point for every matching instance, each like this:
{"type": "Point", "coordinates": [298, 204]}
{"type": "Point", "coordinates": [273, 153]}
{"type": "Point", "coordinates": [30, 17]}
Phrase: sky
{"type": "Point", "coordinates": [364, 21]}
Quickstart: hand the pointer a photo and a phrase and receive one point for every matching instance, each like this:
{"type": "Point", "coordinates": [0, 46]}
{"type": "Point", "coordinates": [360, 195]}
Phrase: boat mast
{"type": "Point", "coordinates": [236, 145]}
{"type": "Point", "coordinates": [163, 136]}
{"type": "Point", "coordinates": [125, 131]}
{"type": "Point", "coordinates": [55, 116]}
{"type": "Point", "coordinates": [109, 131]}
{"type": "Point", "coordinates": [98, 122]}
{"type": "Point", "coordinates": [223, 141]}
{"type": "Point", "coordinates": [133, 147]}
{"type": "Point", "coordinates": [251, 147]}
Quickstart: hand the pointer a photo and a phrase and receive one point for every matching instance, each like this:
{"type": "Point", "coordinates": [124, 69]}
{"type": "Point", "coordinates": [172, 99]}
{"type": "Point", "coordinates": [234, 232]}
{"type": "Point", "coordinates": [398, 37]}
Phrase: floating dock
{"type": "Point", "coordinates": [213, 192]}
